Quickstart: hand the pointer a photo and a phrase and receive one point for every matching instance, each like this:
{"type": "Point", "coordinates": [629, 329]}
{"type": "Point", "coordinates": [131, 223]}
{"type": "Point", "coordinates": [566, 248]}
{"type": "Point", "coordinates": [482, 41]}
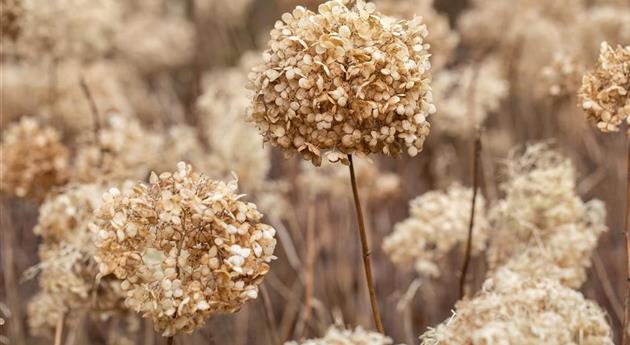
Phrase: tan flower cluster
{"type": "Point", "coordinates": [234, 144]}
{"type": "Point", "coordinates": [341, 336]}
{"type": "Point", "coordinates": [562, 76]}
{"type": "Point", "coordinates": [442, 39]}
{"type": "Point", "coordinates": [438, 223]}
{"type": "Point", "coordinates": [345, 80]}
{"type": "Point", "coordinates": [63, 29]}
{"type": "Point", "coordinates": [10, 13]}
{"type": "Point", "coordinates": [33, 160]}
{"type": "Point", "coordinates": [185, 247]}
{"type": "Point", "coordinates": [332, 180]}
{"type": "Point", "coordinates": [517, 310]}
{"type": "Point", "coordinates": [125, 150]}
{"type": "Point", "coordinates": [67, 280]}
{"type": "Point", "coordinates": [542, 227]}
{"type": "Point", "coordinates": [222, 10]}
{"type": "Point", "coordinates": [605, 92]}
{"type": "Point", "coordinates": [466, 95]}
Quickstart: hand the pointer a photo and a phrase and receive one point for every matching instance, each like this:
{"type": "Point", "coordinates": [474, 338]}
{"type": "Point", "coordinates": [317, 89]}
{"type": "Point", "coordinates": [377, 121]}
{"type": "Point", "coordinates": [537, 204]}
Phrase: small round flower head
{"type": "Point", "coordinates": [467, 95]}
{"type": "Point", "coordinates": [33, 160]}
{"type": "Point", "coordinates": [514, 309]}
{"type": "Point", "coordinates": [561, 78]}
{"type": "Point", "coordinates": [438, 223]}
{"type": "Point", "coordinates": [345, 80]}
{"type": "Point", "coordinates": [605, 92]}
{"type": "Point", "coordinates": [185, 247]}
{"type": "Point", "coordinates": [340, 336]}
{"type": "Point", "coordinates": [67, 268]}
{"type": "Point", "coordinates": [125, 150]}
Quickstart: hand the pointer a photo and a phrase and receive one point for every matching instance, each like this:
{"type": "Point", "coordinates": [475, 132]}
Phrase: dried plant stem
{"type": "Point", "coordinates": [626, 318]}
{"type": "Point", "coordinates": [269, 316]}
{"type": "Point", "coordinates": [476, 161]}
{"type": "Point", "coordinates": [59, 330]}
{"type": "Point", "coordinates": [170, 341]}
{"type": "Point", "coordinates": [365, 250]}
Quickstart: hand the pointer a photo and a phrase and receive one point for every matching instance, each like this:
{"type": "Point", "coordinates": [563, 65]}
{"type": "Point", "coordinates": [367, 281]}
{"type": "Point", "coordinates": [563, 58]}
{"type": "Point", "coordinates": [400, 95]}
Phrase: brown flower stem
{"type": "Point", "coordinates": [59, 330]}
{"type": "Point", "coordinates": [476, 159]}
{"type": "Point", "coordinates": [170, 341]}
{"type": "Point", "coordinates": [367, 265]}
{"type": "Point", "coordinates": [625, 332]}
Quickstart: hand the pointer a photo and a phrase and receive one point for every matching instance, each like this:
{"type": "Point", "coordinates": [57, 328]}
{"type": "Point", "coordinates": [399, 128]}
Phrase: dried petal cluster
{"type": "Point", "coordinates": [466, 95]}
{"type": "Point", "coordinates": [234, 144]}
{"type": "Point", "coordinates": [341, 336]}
{"type": "Point", "coordinates": [542, 217]}
{"type": "Point", "coordinates": [442, 39]}
{"type": "Point", "coordinates": [518, 310]}
{"type": "Point", "coordinates": [33, 160]}
{"type": "Point", "coordinates": [605, 92]}
{"type": "Point", "coordinates": [562, 76]}
{"type": "Point", "coordinates": [342, 81]}
{"type": "Point", "coordinates": [185, 247]}
{"type": "Point", "coordinates": [125, 150]}
{"type": "Point", "coordinates": [437, 224]}
{"type": "Point", "coordinates": [67, 280]}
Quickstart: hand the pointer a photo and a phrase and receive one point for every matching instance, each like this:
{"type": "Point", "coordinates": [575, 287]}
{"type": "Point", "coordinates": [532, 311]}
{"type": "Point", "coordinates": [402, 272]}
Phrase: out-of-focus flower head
{"type": "Point", "coordinates": [185, 247]}
{"type": "Point", "coordinates": [33, 160]}
{"type": "Point", "coordinates": [345, 80]}
{"type": "Point", "coordinates": [438, 223]}
{"type": "Point", "coordinates": [341, 336]}
{"type": "Point", "coordinates": [515, 309]}
{"type": "Point", "coordinates": [605, 92]}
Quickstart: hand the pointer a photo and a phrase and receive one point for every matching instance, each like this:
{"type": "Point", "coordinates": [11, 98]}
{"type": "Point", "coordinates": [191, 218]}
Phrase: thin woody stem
{"type": "Point", "coordinates": [476, 159]}
{"type": "Point", "coordinates": [59, 330]}
{"type": "Point", "coordinates": [367, 265]}
{"type": "Point", "coordinates": [170, 341]}
{"type": "Point", "coordinates": [625, 331]}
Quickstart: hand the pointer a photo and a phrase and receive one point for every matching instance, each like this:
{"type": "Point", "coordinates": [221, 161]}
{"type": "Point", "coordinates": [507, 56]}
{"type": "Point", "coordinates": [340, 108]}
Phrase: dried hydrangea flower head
{"type": "Point", "coordinates": [341, 336]}
{"type": "Point", "coordinates": [332, 180]}
{"type": "Point", "coordinates": [467, 95]}
{"type": "Point", "coordinates": [539, 196]}
{"type": "Point", "coordinates": [185, 247]}
{"type": "Point", "coordinates": [442, 39]}
{"type": "Point", "coordinates": [437, 224]}
{"type": "Point", "coordinates": [514, 309]}
{"type": "Point", "coordinates": [234, 144]}
{"type": "Point", "coordinates": [33, 160]}
{"type": "Point", "coordinates": [561, 78]}
{"type": "Point", "coordinates": [605, 92]}
{"type": "Point", "coordinates": [345, 80]}
{"type": "Point", "coordinates": [125, 150]}
{"type": "Point", "coordinates": [67, 268]}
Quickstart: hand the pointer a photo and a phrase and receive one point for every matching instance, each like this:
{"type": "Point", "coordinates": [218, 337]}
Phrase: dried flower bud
{"type": "Point", "coordinates": [345, 80]}
{"type": "Point", "coordinates": [438, 223]}
{"type": "Point", "coordinates": [605, 92]}
{"type": "Point", "coordinates": [33, 160]}
{"type": "Point", "coordinates": [185, 247]}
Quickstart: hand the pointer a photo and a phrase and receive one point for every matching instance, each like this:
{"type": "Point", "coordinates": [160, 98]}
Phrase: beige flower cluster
{"type": "Point", "coordinates": [517, 310]}
{"type": "Point", "coordinates": [234, 144]}
{"type": "Point", "coordinates": [33, 160]}
{"type": "Point", "coordinates": [67, 280]}
{"type": "Point", "coordinates": [125, 150]}
{"type": "Point", "coordinates": [341, 336]}
{"type": "Point", "coordinates": [185, 247]}
{"type": "Point", "coordinates": [605, 92]}
{"type": "Point", "coordinates": [345, 80]}
{"type": "Point", "coordinates": [562, 76]}
{"type": "Point", "coordinates": [60, 29]}
{"type": "Point", "coordinates": [466, 95]}
{"type": "Point", "coordinates": [438, 223]}
{"type": "Point", "coordinates": [442, 39]}
{"type": "Point", "coordinates": [540, 208]}
{"type": "Point", "coordinates": [332, 180]}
